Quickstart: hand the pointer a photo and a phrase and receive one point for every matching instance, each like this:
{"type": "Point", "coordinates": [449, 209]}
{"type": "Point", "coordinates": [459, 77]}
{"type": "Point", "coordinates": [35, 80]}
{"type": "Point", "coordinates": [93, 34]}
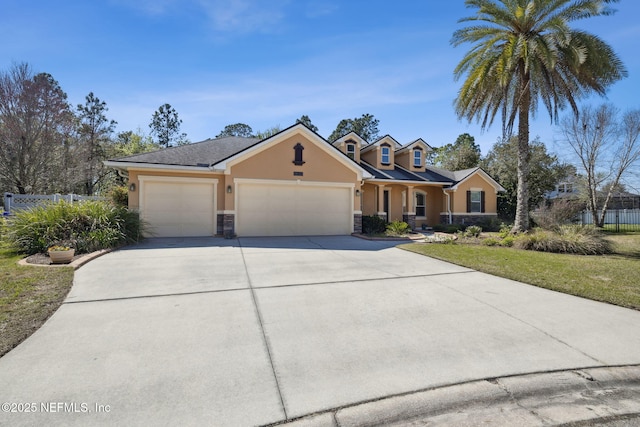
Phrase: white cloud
{"type": "Point", "coordinates": [244, 16]}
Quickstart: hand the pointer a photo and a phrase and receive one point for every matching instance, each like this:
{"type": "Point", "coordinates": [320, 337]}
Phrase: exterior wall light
{"type": "Point", "coordinates": [132, 186]}
{"type": "Point", "coordinates": [357, 193]}
{"type": "Point", "coordinates": [229, 189]}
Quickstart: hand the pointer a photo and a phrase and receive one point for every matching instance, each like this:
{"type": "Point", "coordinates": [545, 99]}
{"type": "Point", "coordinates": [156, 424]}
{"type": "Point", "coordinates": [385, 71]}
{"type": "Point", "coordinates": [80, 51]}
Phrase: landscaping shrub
{"type": "Point", "coordinates": [490, 242]}
{"type": "Point", "coordinates": [87, 226]}
{"type": "Point", "coordinates": [3, 227]}
{"type": "Point", "coordinates": [505, 230]}
{"type": "Point", "coordinates": [491, 224]}
{"type": "Point", "coordinates": [397, 228]}
{"type": "Point", "coordinates": [473, 231]}
{"type": "Point", "coordinates": [373, 224]}
{"type": "Point", "coordinates": [439, 227]}
{"type": "Point", "coordinates": [119, 196]}
{"type": "Point", "coordinates": [454, 228]}
{"type": "Point", "coordinates": [572, 239]}
{"type": "Point", "coordinates": [561, 212]}
{"type": "Point", "coordinates": [507, 241]}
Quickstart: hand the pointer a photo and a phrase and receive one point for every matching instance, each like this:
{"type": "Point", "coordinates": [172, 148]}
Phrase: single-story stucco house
{"type": "Point", "coordinates": [297, 183]}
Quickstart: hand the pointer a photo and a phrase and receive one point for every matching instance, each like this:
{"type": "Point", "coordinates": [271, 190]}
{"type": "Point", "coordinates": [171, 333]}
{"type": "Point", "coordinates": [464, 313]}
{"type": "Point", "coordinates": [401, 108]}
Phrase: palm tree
{"type": "Point", "coordinates": [523, 53]}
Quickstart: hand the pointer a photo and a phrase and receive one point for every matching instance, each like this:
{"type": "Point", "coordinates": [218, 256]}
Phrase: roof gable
{"type": "Point", "coordinates": [350, 136]}
{"type": "Point", "coordinates": [384, 140]}
{"type": "Point", "coordinates": [464, 175]}
{"type": "Point", "coordinates": [417, 143]}
{"type": "Point", "coordinates": [226, 164]}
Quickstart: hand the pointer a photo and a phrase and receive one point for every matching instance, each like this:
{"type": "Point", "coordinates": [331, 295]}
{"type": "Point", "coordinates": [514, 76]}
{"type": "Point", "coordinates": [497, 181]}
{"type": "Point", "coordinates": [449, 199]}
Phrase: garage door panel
{"type": "Point", "coordinates": [297, 209]}
{"type": "Point", "coordinates": [179, 209]}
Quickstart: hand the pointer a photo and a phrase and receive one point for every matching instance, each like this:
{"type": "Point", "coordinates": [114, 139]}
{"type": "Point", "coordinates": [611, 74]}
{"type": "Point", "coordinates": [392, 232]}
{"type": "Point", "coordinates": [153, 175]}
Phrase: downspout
{"type": "Point", "coordinates": [448, 204]}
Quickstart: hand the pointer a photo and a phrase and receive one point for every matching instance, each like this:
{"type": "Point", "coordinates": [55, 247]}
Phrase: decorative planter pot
{"type": "Point", "coordinates": [61, 257]}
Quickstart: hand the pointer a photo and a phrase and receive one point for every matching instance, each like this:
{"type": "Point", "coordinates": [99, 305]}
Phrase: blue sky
{"type": "Point", "coordinates": [266, 63]}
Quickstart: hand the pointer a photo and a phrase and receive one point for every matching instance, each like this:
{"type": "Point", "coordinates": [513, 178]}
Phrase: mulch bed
{"type": "Point", "coordinates": [43, 259]}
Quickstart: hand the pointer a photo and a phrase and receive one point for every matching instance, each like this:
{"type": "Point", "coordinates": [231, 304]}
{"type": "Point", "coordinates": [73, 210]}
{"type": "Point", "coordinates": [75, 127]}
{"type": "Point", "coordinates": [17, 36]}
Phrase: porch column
{"type": "Point", "coordinates": [381, 213]}
{"type": "Point", "coordinates": [410, 215]}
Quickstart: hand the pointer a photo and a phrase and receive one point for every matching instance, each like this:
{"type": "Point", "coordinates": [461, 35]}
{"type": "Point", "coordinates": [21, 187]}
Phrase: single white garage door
{"type": "Point", "coordinates": [178, 208]}
{"type": "Point", "coordinates": [293, 209]}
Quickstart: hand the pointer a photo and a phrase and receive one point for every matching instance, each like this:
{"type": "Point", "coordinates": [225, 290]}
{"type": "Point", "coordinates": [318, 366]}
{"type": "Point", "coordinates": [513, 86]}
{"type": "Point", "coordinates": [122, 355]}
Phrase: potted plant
{"type": "Point", "coordinates": [61, 254]}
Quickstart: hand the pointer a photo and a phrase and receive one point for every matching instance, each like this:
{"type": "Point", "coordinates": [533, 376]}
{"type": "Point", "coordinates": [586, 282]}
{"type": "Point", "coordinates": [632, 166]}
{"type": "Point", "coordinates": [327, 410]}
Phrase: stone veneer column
{"type": "Point", "coordinates": [357, 222]}
{"type": "Point", "coordinates": [410, 218]}
{"type": "Point", "coordinates": [228, 226]}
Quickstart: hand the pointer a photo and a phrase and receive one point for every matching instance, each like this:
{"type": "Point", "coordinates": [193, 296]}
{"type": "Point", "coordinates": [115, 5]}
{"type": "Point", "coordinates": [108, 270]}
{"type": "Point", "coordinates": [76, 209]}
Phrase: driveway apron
{"type": "Point", "coordinates": [256, 331]}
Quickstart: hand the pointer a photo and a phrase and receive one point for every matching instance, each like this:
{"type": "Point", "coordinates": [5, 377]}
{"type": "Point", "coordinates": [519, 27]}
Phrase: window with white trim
{"type": "Point", "coordinates": [417, 158]}
{"type": "Point", "coordinates": [351, 151]}
{"type": "Point", "coordinates": [385, 155]}
{"type": "Point", "coordinates": [475, 201]}
{"type": "Point", "coordinates": [420, 200]}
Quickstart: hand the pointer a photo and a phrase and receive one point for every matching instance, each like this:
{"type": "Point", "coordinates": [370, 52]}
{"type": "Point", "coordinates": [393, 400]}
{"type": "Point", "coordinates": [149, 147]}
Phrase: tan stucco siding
{"type": "Point", "coordinates": [403, 159]}
{"type": "Point", "coordinates": [374, 157]}
{"type": "Point", "coordinates": [276, 163]}
{"type": "Point", "coordinates": [369, 199]}
{"type": "Point", "coordinates": [476, 182]}
{"type": "Point", "coordinates": [134, 196]}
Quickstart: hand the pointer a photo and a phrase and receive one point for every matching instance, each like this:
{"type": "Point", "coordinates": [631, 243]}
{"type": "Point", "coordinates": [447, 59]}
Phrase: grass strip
{"type": "Point", "coordinates": [28, 297]}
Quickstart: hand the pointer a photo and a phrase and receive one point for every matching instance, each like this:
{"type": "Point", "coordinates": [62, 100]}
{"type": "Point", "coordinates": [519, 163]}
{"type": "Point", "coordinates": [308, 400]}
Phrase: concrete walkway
{"type": "Point", "coordinates": [264, 330]}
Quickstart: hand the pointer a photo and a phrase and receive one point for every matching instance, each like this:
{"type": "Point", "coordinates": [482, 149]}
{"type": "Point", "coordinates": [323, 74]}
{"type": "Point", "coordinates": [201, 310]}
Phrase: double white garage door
{"type": "Point", "coordinates": [188, 208]}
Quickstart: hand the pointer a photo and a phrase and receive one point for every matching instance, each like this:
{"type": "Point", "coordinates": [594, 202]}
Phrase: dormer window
{"type": "Point", "coordinates": [417, 158]}
{"type": "Point", "coordinates": [351, 151]}
{"type": "Point", "coordinates": [385, 155]}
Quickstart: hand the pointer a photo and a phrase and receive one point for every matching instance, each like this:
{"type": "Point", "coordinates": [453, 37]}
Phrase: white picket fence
{"type": "Point", "coordinates": [14, 202]}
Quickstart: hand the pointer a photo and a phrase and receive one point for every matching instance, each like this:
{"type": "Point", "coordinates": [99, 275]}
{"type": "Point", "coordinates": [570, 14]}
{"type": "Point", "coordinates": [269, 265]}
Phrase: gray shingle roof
{"type": "Point", "coordinates": [203, 153]}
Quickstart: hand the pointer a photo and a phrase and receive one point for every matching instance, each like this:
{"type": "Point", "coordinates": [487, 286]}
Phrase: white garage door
{"type": "Point", "coordinates": [178, 208]}
{"type": "Point", "coordinates": [293, 209]}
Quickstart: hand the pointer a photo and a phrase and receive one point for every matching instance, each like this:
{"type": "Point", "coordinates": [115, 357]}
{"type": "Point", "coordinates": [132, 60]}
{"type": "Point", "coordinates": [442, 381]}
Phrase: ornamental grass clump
{"type": "Point", "coordinates": [569, 239]}
{"type": "Point", "coordinates": [397, 229]}
{"type": "Point", "coordinates": [88, 226]}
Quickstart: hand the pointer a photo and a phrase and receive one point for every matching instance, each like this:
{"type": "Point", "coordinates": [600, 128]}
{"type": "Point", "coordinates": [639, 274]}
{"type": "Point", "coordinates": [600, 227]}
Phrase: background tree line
{"type": "Point", "coordinates": [48, 146]}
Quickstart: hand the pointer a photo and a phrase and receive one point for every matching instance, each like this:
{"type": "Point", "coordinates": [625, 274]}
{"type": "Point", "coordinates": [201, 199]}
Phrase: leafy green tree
{"type": "Point", "coordinates": [267, 133]}
{"type": "Point", "coordinates": [35, 124]}
{"type": "Point", "coordinates": [366, 126]}
{"type": "Point", "coordinates": [237, 129]}
{"type": "Point", "coordinates": [305, 120]}
{"type": "Point", "coordinates": [94, 135]}
{"type": "Point", "coordinates": [545, 171]}
{"type": "Point", "coordinates": [524, 53]}
{"type": "Point", "coordinates": [126, 143]}
{"type": "Point", "coordinates": [165, 125]}
{"type": "Point", "coordinates": [462, 154]}
{"type": "Point", "coordinates": [129, 143]}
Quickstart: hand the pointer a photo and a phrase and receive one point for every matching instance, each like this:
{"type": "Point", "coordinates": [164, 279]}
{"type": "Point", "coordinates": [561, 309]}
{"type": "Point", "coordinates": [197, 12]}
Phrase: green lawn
{"type": "Point", "coordinates": [610, 278]}
{"type": "Point", "coordinates": [28, 296]}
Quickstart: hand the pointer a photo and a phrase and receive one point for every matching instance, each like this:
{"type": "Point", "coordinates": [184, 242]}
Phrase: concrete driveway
{"type": "Point", "coordinates": [261, 330]}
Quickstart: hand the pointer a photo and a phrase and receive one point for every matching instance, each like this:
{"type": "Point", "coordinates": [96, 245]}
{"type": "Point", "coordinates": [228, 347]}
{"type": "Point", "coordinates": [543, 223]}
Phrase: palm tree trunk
{"type": "Point", "coordinates": [521, 221]}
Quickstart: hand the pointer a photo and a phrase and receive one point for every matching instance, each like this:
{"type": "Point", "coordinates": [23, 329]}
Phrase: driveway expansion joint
{"type": "Point", "coordinates": [265, 339]}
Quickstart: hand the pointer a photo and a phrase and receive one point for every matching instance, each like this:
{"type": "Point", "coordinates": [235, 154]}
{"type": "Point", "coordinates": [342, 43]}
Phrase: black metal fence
{"type": "Point", "coordinates": [618, 220]}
